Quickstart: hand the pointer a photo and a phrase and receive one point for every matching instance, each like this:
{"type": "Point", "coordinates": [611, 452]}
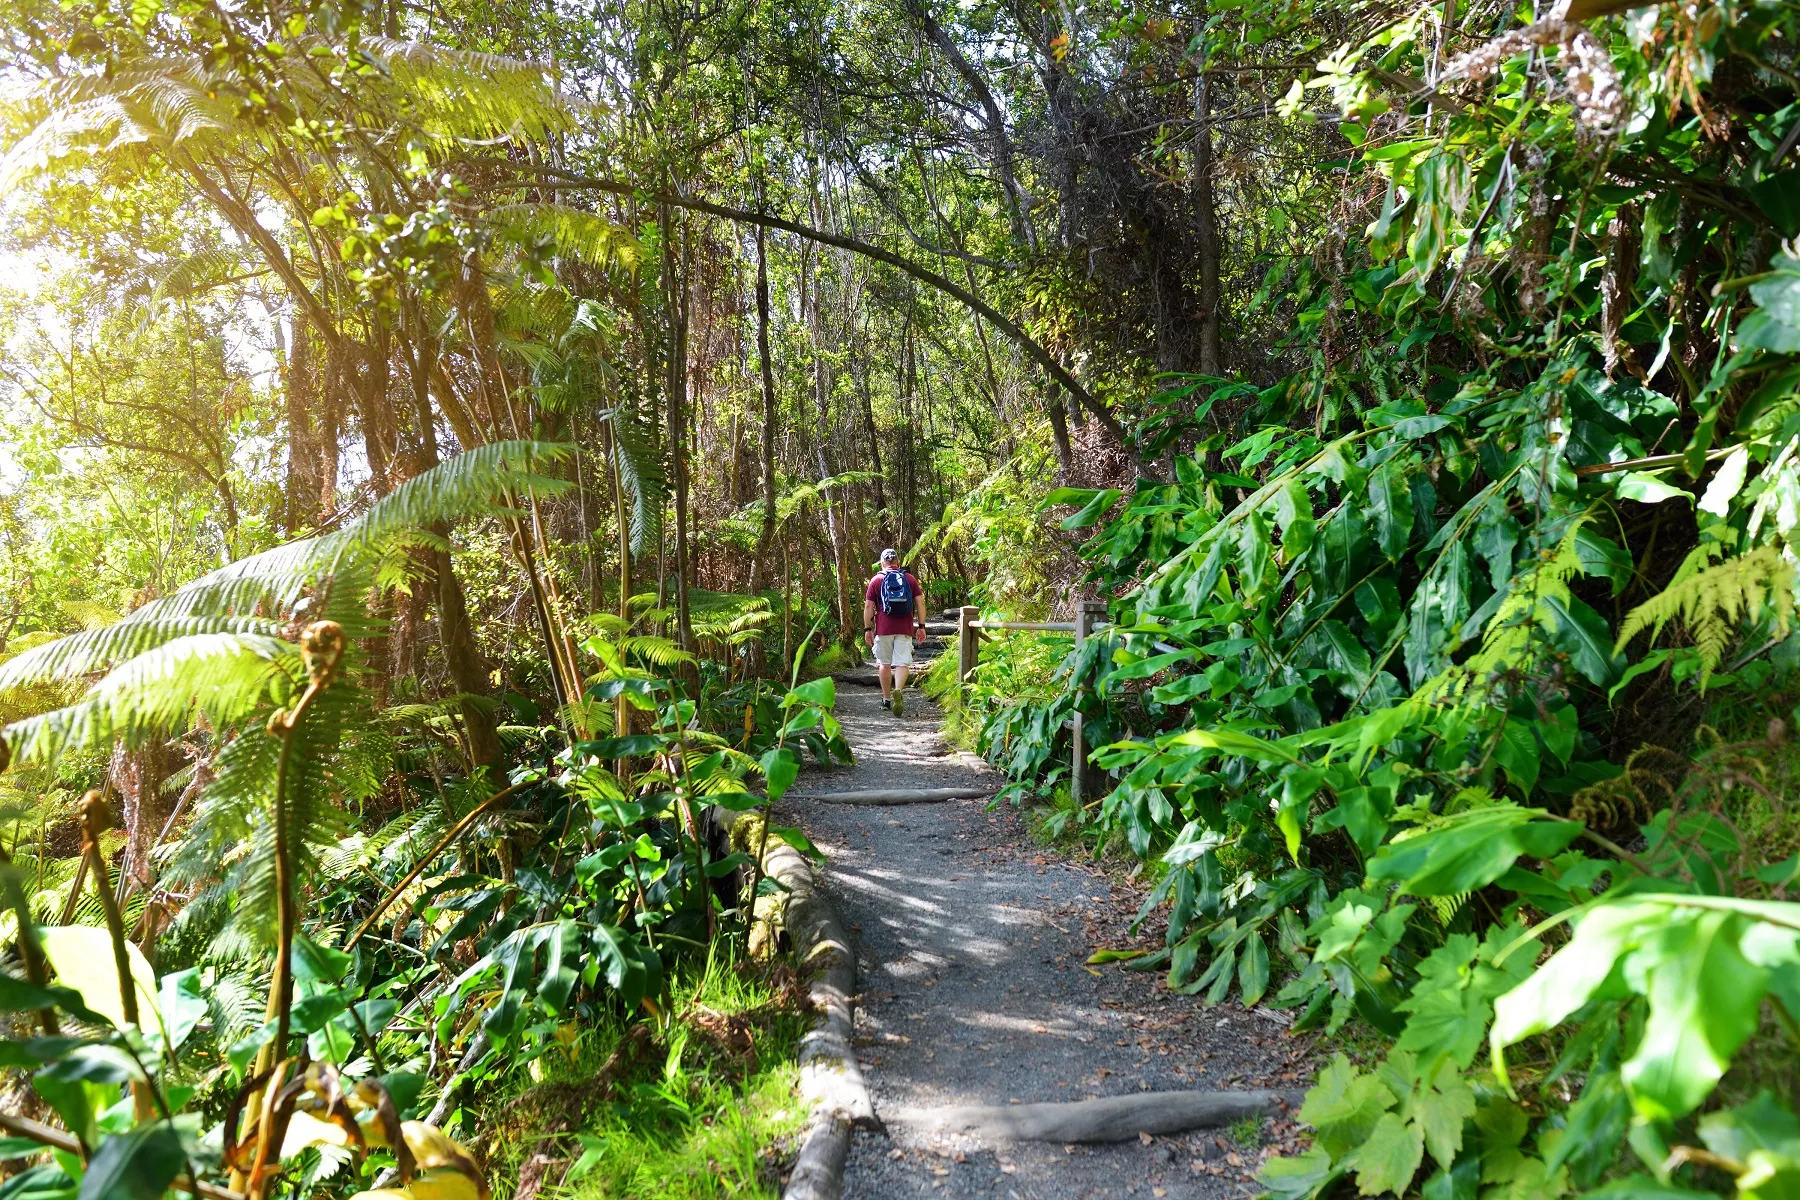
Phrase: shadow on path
{"type": "Point", "coordinates": [971, 944]}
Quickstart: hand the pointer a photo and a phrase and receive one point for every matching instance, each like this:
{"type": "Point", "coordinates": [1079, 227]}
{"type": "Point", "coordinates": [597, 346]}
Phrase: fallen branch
{"type": "Point", "coordinates": [1111, 1119]}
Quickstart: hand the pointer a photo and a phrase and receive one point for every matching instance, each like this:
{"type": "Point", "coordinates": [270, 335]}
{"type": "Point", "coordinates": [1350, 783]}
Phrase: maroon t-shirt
{"type": "Point", "coordinates": [885, 624]}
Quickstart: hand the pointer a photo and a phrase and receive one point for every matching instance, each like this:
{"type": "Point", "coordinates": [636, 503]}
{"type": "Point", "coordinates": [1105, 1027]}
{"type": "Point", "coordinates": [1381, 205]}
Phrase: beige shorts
{"type": "Point", "coordinates": [893, 649]}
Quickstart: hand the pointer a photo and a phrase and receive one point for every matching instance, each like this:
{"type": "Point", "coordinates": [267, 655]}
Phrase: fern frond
{"type": "Point", "coordinates": [98, 649]}
{"type": "Point", "coordinates": [466, 484]}
{"type": "Point", "coordinates": [584, 236]}
{"type": "Point", "coordinates": [457, 95]}
{"type": "Point", "coordinates": [657, 651]}
{"type": "Point", "coordinates": [227, 676]}
{"type": "Point", "coordinates": [638, 460]}
{"type": "Point", "coordinates": [1713, 601]}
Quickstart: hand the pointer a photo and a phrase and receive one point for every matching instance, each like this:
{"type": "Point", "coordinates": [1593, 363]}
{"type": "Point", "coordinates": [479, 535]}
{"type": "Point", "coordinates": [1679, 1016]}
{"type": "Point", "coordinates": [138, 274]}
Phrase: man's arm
{"type": "Point", "coordinates": [919, 602]}
{"type": "Point", "coordinates": [868, 617]}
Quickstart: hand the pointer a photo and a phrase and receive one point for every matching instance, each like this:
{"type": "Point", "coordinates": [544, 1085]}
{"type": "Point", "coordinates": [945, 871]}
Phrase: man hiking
{"type": "Point", "coordinates": [893, 618]}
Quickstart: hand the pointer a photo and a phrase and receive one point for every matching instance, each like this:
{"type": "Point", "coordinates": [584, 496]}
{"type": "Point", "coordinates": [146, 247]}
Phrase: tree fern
{"type": "Point", "coordinates": [225, 676]}
{"type": "Point", "coordinates": [99, 649]}
{"type": "Point", "coordinates": [452, 96]}
{"type": "Point", "coordinates": [638, 460]}
{"type": "Point", "coordinates": [1712, 601]}
{"type": "Point", "coordinates": [584, 236]}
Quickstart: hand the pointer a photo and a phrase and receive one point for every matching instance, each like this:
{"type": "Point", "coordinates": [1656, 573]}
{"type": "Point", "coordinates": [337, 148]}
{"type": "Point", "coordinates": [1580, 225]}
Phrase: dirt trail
{"type": "Point", "coordinates": [970, 948]}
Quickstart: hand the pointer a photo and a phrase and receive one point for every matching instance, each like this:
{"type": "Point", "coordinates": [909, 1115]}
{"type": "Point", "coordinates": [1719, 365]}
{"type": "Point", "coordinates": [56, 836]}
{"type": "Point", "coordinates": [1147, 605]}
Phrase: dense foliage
{"type": "Point", "coordinates": [431, 434]}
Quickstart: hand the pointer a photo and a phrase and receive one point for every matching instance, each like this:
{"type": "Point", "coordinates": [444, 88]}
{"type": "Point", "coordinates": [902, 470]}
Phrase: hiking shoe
{"type": "Point", "coordinates": [886, 703]}
{"type": "Point", "coordinates": [899, 703]}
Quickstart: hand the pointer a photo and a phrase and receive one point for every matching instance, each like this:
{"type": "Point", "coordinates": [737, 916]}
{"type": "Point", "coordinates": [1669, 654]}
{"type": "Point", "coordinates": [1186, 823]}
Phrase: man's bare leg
{"type": "Point", "coordinates": [900, 677]}
{"type": "Point", "coordinates": [887, 680]}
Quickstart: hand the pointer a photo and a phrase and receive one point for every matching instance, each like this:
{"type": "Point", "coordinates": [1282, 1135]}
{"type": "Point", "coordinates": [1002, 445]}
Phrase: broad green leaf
{"type": "Point", "coordinates": [1586, 638]}
{"type": "Point", "coordinates": [137, 1165]}
{"type": "Point", "coordinates": [1517, 750]}
{"type": "Point", "coordinates": [1727, 483]}
{"type": "Point", "coordinates": [1299, 1176]}
{"type": "Point", "coordinates": [1705, 1001]}
{"type": "Point", "coordinates": [1093, 510]}
{"type": "Point", "coordinates": [1442, 1106]}
{"type": "Point", "coordinates": [1344, 1106]}
{"type": "Point", "coordinates": [82, 957]}
{"type": "Point", "coordinates": [1389, 1157]}
{"type": "Point", "coordinates": [821, 691]}
{"type": "Point", "coordinates": [1647, 489]}
{"type": "Point", "coordinates": [1390, 496]}
{"type": "Point", "coordinates": [1468, 850]}
{"type": "Point", "coordinates": [780, 769]}
{"type": "Point", "coordinates": [1226, 741]}
{"type": "Point", "coordinates": [1576, 973]}
{"type": "Point", "coordinates": [798, 840]}
{"type": "Point", "coordinates": [183, 1005]}
{"type": "Point", "coordinates": [1253, 971]}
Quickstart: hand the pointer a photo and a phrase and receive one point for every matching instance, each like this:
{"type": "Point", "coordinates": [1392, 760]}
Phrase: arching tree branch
{"type": "Point", "coordinates": [569, 180]}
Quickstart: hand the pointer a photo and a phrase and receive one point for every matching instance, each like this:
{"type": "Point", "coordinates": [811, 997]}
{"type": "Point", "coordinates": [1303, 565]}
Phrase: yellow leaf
{"type": "Point", "coordinates": [82, 957]}
{"type": "Point", "coordinates": [305, 1130]}
{"type": "Point", "coordinates": [446, 1184]}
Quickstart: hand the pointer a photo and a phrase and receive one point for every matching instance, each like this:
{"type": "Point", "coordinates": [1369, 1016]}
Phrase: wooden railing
{"type": "Point", "coordinates": [1090, 618]}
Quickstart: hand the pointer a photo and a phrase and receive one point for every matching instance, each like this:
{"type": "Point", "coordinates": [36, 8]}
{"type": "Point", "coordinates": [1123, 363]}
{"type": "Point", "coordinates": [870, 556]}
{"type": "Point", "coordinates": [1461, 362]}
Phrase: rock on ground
{"type": "Point", "coordinates": [971, 942]}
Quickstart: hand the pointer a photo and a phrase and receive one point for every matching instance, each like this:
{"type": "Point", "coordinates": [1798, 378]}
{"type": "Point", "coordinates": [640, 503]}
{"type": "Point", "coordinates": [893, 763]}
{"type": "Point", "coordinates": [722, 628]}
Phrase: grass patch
{"type": "Point", "coordinates": [706, 1108]}
{"type": "Point", "coordinates": [1248, 1132]}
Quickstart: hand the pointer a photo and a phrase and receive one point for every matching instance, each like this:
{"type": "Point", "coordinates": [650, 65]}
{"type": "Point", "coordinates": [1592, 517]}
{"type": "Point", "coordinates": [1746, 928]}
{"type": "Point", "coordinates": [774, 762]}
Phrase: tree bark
{"type": "Point", "coordinates": [675, 291]}
{"type": "Point", "coordinates": [1206, 219]}
{"type": "Point", "coordinates": [766, 368]}
{"type": "Point", "coordinates": [305, 448]}
{"type": "Point", "coordinates": [468, 674]}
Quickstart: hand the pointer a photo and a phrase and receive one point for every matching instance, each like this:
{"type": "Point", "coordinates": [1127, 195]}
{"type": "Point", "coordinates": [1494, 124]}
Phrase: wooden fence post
{"type": "Point", "coordinates": [968, 643]}
{"type": "Point", "coordinates": [1088, 613]}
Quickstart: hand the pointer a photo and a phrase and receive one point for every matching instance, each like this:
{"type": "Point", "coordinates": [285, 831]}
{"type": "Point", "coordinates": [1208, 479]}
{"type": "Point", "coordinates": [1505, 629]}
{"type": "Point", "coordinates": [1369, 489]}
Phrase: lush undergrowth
{"type": "Point", "coordinates": [381, 932]}
{"type": "Point", "coordinates": [706, 1109]}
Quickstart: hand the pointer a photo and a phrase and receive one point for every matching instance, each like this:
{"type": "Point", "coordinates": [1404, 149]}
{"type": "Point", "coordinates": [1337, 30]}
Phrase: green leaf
{"type": "Point", "coordinates": [1253, 971]}
{"type": "Point", "coordinates": [137, 1165]}
{"type": "Point", "coordinates": [1441, 1108]}
{"type": "Point", "coordinates": [1705, 1000]}
{"type": "Point", "coordinates": [1468, 850]}
{"type": "Point", "coordinates": [780, 769]}
{"type": "Point", "coordinates": [183, 1005]}
{"type": "Point", "coordinates": [313, 963]}
{"type": "Point", "coordinates": [1647, 489]}
{"type": "Point", "coordinates": [635, 745]}
{"type": "Point", "coordinates": [1226, 741]}
{"type": "Point", "coordinates": [1516, 749]}
{"type": "Point", "coordinates": [798, 840]}
{"type": "Point", "coordinates": [1575, 974]}
{"type": "Point", "coordinates": [1391, 496]}
{"type": "Point", "coordinates": [1585, 637]}
{"type": "Point", "coordinates": [1389, 1157]}
{"type": "Point", "coordinates": [821, 691]}
{"type": "Point", "coordinates": [18, 995]}
{"type": "Point", "coordinates": [1299, 1176]}
{"type": "Point", "coordinates": [1343, 1107]}
{"type": "Point", "coordinates": [1093, 510]}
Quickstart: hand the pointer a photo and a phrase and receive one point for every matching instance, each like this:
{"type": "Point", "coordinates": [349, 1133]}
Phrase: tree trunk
{"type": "Point", "coordinates": [305, 446]}
{"type": "Point", "coordinates": [676, 297]}
{"type": "Point", "coordinates": [468, 674]}
{"type": "Point", "coordinates": [1206, 219]}
{"type": "Point", "coordinates": [765, 536]}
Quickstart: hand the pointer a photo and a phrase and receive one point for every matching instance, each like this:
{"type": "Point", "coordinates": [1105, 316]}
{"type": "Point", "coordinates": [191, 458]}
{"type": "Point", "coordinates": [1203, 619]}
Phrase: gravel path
{"type": "Point", "coordinates": [970, 948]}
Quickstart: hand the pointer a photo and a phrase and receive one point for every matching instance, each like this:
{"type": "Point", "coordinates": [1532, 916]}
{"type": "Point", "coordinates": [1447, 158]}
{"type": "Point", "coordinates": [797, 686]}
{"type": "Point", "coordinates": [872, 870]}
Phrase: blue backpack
{"type": "Point", "coordinates": [896, 594]}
